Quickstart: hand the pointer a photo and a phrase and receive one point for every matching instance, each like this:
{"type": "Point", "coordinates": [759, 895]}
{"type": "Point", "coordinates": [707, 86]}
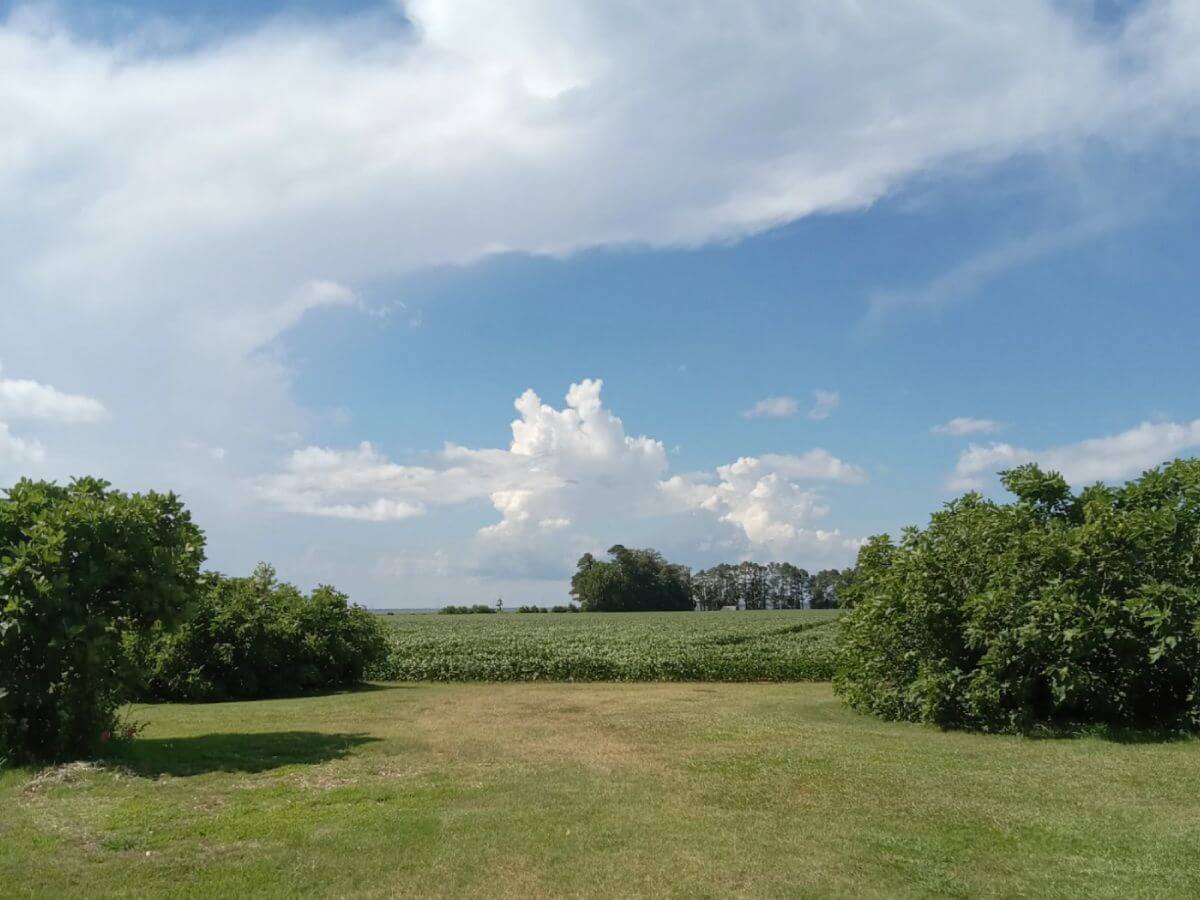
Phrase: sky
{"type": "Point", "coordinates": [427, 299]}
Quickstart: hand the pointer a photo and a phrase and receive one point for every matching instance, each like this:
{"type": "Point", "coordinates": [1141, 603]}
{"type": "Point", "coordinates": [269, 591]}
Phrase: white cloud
{"type": "Point", "coordinates": [18, 450]}
{"type": "Point", "coordinates": [25, 399]}
{"type": "Point", "coordinates": [773, 407]}
{"type": "Point", "coordinates": [824, 403]}
{"type": "Point", "coordinates": [569, 475]}
{"type": "Point", "coordinates": [559, 460]}
{"type": "Point", "coordinates": [195, 168]}
{"type": "Point", "coordinates": [761, 496]}
{"type": "Point", "coordinates": [1110, 458]}
{"type": "Point", "coordinates": [31, 401]}
{"type": "Point", "coordinates": [962, 426]}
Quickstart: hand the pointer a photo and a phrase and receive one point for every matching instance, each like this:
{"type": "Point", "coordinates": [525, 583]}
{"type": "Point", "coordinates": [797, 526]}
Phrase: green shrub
{"type": "Point", "coordinates": [1051, 610]}
{"type": "Point", "coordinates": [477, 609]}
{"type": "Point", "coordinates": [81, 566]}
{"type": "Point", "coordinates": [255, 637]}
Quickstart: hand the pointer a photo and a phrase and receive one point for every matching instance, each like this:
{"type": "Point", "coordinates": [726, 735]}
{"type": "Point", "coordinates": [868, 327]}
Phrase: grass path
{"type": "Point", "coordinates": [529, 790]}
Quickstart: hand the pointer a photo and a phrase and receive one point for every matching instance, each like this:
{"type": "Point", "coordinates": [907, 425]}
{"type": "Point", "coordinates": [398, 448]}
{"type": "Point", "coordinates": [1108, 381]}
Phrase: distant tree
{"type": "Point", "coordinates": [752, 586]}
{"type": "Point", "coordinates": [631, 580]}
{"type": "Point", "coordinates": [826, 586]}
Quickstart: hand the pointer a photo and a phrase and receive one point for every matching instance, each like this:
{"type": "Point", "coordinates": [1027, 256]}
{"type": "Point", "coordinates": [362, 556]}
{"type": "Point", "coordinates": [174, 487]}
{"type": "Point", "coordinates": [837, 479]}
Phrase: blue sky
{"type": "Point", "coordinates": [298, 266]}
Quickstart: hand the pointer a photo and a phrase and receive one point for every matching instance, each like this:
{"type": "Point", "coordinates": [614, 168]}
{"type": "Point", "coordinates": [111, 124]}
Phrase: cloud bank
{"type": "Point", "coordinates": [573, 475]}
{"type": "Point", "coordinates": [1109, 458]}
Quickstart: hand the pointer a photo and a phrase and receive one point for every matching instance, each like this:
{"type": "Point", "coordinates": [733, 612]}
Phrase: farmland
{"type": "Point", "coordinates": [598, 790]}
{"type": "Point", "coordinates": [784, 645]}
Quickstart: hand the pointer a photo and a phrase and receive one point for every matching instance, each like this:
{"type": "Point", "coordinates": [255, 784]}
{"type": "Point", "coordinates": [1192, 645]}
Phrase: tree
{"type": "Point", "coordinates": [630, 580]}
{"type": "Point", "coordinates": [1054, 608]}
{"type": "Point", "coordinates": [826, 586]}
{"type": "Point", "coordinates": [80, 566]}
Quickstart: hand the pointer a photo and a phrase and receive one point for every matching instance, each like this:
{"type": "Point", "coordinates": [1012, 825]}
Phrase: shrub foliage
{"type": "Point", "coordinates": [80, 566]}
{"type": "Point", "coordinates": [1056, 608]}
{"type": "Point", "coordinates": [256, 637]}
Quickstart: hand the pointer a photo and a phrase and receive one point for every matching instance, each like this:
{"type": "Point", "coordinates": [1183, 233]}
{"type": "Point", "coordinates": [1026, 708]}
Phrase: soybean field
{"type": "Point", "coordinates": [762, 645]}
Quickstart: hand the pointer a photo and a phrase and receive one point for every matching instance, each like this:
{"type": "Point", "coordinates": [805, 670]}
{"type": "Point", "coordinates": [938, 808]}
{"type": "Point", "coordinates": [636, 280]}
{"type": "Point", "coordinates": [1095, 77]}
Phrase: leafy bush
{"type": "Point", "coordinates": [631, 580]}
{"type": "Point", "coordinates": [255, 637]}
{"type": "Point", "coordinates": [768, 646]}
{"type": "Point", "coordinates": [1054, 609]}
{"type": "Point", "coordinates": [80, 566]}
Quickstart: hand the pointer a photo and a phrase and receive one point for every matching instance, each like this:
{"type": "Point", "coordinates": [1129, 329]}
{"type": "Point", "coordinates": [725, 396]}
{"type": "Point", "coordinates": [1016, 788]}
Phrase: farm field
{"type": "Point", "coordinates": [762, 645]}
{"type": "Point", "coordinates": [530, 790]}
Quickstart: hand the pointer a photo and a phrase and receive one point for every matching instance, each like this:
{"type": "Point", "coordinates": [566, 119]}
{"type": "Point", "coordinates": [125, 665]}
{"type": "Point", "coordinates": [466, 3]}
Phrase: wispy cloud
{"type": "Point", "coordinates": [968, 277]}
{"type": "Point", "coordinates": [773, 408]}
{"type": "Point", "coordinates": [824, 403]}
{"type": "Point", "coordinates": [965, 425]}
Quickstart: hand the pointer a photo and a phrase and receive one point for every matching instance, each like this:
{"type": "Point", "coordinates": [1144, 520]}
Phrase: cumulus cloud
{"type": "Point", "coordinates": [761, 496]}
{"type": "Point", "coordinates": [824, 403]}
{"type": "Point", "coordinates": [1109, 458]}
{"type": "Point", "coordinates": [24, 399]}
{"type": "Point", "coordinates": [962, 426]}
{"type": "Point", "coordinates": [557, 461]}
{"type": "Point", "coordinates": [31, 401]}
{"type": "Point", "coordinates": [566, 475]}
{"type": "Point", "coordinates": [773, 407]}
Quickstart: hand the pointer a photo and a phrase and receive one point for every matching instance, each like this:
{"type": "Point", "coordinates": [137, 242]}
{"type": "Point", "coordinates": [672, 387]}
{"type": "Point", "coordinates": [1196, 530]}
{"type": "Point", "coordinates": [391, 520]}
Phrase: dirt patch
{"type": "Point", "coordinates": [73, 773]}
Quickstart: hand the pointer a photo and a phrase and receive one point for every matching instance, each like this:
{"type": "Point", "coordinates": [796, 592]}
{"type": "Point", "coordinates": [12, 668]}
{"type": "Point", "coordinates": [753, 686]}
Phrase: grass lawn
{"type": "Point", "coordinates": [761, 645]}
{"type": "Point", "coordinates": [529, 790]}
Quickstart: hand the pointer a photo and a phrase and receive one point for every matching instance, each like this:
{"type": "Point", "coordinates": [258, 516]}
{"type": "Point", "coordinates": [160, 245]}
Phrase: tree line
{"type": "Point", "coordinates": [642, 579]}
{"type": "Point", "coordinates": [776, 585]}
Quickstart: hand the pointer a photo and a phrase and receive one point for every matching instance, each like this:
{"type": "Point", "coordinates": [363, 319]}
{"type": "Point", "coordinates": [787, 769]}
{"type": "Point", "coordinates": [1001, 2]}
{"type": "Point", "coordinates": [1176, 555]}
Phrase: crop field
{"type": "Point", "coordinates": [597, 790]}
{"type": "Point", "coordinates": [781, 645]}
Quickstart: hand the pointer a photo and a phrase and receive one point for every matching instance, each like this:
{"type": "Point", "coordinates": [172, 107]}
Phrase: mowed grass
{"type": "Point", "coordinates": [598, 790]}
{"type": "Point", "coordinates": [783, 645]}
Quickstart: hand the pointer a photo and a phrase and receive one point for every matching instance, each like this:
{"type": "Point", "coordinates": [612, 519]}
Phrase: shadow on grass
{"type": "Point", "coordinates": [365, 687]}
{"type": "Point", "coordinates": [1113, 734]}
{"type": "Point", "coordinates": [250, 752]}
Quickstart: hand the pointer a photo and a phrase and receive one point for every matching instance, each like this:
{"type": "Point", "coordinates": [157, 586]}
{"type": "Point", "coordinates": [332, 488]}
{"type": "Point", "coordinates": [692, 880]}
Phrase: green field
{"type": "Point", "coordinates": [532, 790]}
{"type": "Point", "coordinates": [784, 645]}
